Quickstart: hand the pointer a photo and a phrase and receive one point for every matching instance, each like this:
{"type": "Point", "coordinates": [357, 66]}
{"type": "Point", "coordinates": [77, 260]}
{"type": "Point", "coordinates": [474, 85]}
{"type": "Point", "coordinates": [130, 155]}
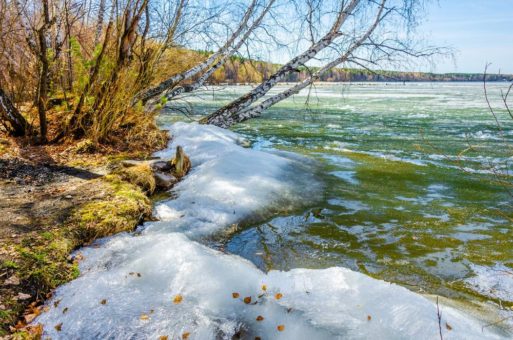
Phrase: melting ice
{"type": "Point", "coordinates": [129, 281]}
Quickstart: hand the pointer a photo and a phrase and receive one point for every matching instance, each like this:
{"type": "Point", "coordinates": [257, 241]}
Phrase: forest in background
{"type": "Point", "coordinates": [241, 70]}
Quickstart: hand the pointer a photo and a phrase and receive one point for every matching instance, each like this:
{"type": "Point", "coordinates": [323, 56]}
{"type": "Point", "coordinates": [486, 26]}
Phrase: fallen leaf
{"type": "Point", "coordinates": [29, 317]}
{"type": "Point", "coordinates": [103, 302]}
{"type": "Point", "coordinates": [56, 303]}
{"type": "Point", "coordinates": [258, 338]}
{"type": "Point", "coordinates": [36, 331]}
{"type": "Point", "coordinates": [235, 295]}
{"type": "Point", "coordinates": [260, 318]}
{"type": "Point", "coordinates": [264, 288]}
{"type": "Point", "coordinates": [144, 317]}
{"type": "Point", "coordinates": [163, 337]}
{"type": "Point", "coordinates": [13, 280]}
{"type": "Point", "coordinates": [177, 299]}
{"type": "Point", "coordinates": [58, 327]}
{"type": "Point", "coordinates": [186, 335]}
{"type": "Point", "coordinates": [449, 327]}
{"type": "Point", "coordinates": [278, 296]}
{"type": "Point", "coordinates": [65, 310]}
{"type": "Point", "coordinates": [247, 300]}
{"type": "Point", "coordinates": [280, 328]}
{"type": "Point", "coordinates": [369, 318]}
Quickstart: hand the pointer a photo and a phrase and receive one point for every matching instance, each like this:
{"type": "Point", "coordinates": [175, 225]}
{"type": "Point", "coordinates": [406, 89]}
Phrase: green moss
{"type": "Point", "coordinates": [42, 258]}
{"type": "Point", "coordinates": [9, 264]}
{"type": "Point", "coordinates": [122, 212]}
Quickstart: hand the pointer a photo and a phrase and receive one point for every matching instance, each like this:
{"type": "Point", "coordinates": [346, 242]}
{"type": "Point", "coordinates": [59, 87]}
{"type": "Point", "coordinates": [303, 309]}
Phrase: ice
{"type": "Point", "coordinates": [230, 183]}
{"type": "Point", "coordinates": [316, 304]}
{"type": "Point", "coordinates": [138, 275]}
{"type": "Point", "coordinates": [495, 282]}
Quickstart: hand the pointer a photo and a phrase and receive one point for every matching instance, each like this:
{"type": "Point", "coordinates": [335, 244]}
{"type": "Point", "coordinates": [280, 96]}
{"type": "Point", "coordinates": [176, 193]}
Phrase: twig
{"type": "Point", "coordinates": [496, 322]}
{"type": "Point", "coordinates": [439, 315]}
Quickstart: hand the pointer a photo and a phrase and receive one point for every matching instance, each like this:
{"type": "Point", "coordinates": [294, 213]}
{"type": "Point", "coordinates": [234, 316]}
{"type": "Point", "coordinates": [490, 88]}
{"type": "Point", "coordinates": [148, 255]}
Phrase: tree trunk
{"type": "Point", "coordinates": [245, 101]}
{"type": "Point", "coordinates": [255, 111]}
{"type": "Point", "coordinates": [13, 120]}
{"type": "Point", "coordinates": [150, 93]}
{"type": "Point", "coordinates": [99, 22]}
{"type": "Point", "coordinates": [44, 78]}
{"type": "Point", "coordinates": [198, 83]}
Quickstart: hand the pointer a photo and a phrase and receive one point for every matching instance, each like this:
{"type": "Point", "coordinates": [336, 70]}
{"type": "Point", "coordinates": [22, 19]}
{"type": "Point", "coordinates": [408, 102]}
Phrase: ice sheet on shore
{"type": "Point", "coordinates": [230, 183]}
{"type": "Point", "coordinates": [316, 304]}
{"type": "Point", "coordinates": [137, 276]}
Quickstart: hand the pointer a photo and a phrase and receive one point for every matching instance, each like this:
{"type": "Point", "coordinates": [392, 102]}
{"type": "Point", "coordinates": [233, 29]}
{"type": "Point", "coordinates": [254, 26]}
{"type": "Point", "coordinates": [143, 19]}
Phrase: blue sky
{"type": "Point", "coordinates": [479, 31]}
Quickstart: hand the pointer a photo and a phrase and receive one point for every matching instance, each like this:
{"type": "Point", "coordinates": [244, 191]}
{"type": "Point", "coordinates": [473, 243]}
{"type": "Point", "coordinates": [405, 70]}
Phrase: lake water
{"type": "Point", "coordinates": [342, 219]}
{"type": "Point", "coordinates": [408, 174]}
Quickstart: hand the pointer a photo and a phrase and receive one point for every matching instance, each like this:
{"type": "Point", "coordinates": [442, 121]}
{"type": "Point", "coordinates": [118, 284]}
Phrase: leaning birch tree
{"type": "Point", "coordinates": [363, 46]}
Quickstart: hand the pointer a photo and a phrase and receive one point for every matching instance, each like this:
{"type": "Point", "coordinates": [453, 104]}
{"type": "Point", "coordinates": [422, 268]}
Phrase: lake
{"type": "Point", "coordinates": [409, 193]}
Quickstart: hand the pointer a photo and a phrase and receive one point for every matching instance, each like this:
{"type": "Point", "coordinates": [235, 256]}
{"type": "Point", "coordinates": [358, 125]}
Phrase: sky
{"type": "Point", "coordinates": [479, 31]}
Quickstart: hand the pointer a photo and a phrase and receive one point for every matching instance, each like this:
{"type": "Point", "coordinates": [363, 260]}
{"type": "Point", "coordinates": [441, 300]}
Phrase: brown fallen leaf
{"type": "Point", "coordinates": [258, 338]}
{"type": "Point", "coordinates": [65, 310]}
{"type": "Point", "coordinates": [260, 318]}
{"type": "Point", "coordinates": [177, 299]}
{"type": "Point", "coordinates": [186, 335]}
{"type": "Point", "coordinates": [144, 317]}
{"type": "Point", "coordinates": [235, 295]}
{"type": "Point", "coordinates": [278, 296]}
{"type": "Point", "coordinates": [58, 327]}
{"type": "Point", "coordinates": [247, 300]}
{"type": "Point", "coordinates": [29, 317]}
{"type": "Point", "coordinates": [369, 318]}
{"type": "Point", "coordinates": [56, 303]}
{"type": "Point", "coordinates": [163, 337]}
{"type": "Point", "coordinates": [103, 302]}
{"type": "Point", "coordinates": [280, 328]}
{"type": "Point", "coordinates": [449, 327]}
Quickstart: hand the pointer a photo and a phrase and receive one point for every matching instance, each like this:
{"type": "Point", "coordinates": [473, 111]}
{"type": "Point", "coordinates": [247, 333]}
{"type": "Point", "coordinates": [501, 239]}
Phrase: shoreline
{"type": "Point", "coordinates": [55, 204]}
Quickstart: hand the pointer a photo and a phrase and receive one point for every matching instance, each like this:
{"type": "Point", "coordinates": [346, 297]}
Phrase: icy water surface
{"type": "Point", "coordinates": [405, 199]}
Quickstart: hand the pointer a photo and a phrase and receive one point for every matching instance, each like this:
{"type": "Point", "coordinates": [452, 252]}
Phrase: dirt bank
{"type": "Point", "coordinates": [52, 201]}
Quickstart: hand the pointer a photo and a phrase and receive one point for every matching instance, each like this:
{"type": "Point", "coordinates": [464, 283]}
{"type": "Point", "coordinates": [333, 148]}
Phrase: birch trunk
{"type": "Point", "coordinates": [201, 80]}
{"type": "Point", "coordinates": [12, 119]}
{"type": "Point", "coordinates": [245, 101]}
{"type": "Point", "coordinates": [172, 81]}
{"type": "Point", "coordinates": [255, 111]}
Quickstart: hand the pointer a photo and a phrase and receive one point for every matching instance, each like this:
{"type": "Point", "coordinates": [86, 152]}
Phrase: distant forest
{"type": "Point", "coordinates": [239, 70]}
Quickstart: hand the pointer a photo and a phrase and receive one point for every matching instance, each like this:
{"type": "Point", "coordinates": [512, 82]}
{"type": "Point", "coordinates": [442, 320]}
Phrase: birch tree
{"type": "Point", "coordinates": [351, 44]}
{"type": "Point", "coordinates": [219, 57]}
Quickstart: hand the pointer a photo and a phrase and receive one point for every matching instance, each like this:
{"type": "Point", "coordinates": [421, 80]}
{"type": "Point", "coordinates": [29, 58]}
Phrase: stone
{"type": "Point", "coordinates": [13, 280]}
{"type": "Point", "coordinates": [23, 296]}
{"type": "Point", "coordinates": [164, 181]}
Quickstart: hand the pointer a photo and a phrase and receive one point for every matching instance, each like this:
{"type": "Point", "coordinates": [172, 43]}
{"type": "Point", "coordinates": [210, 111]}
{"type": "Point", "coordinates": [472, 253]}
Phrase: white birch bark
{"type": "Point", "coordinates": [245, 101]}
{"type": "Point", "coordinates": [201, 80]}
{"type": "Point", "coordinates": [255, 111]}
{"type": "Point", "coordinates": [172, 81]}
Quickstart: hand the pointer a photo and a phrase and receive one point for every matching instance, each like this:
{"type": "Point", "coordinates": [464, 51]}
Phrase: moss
{"type": "Point", "coordinates": [122, 212]}
{"type": "Point", "coordinates": [140, 175]}
{"type": "Point", "coordinates": [42, 260]}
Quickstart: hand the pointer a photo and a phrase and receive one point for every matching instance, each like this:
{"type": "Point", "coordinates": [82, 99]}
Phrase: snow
{"type": "Point", "coordinates": [230, 183]}
{"type": "Point", "coordinates": [140, 274]}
